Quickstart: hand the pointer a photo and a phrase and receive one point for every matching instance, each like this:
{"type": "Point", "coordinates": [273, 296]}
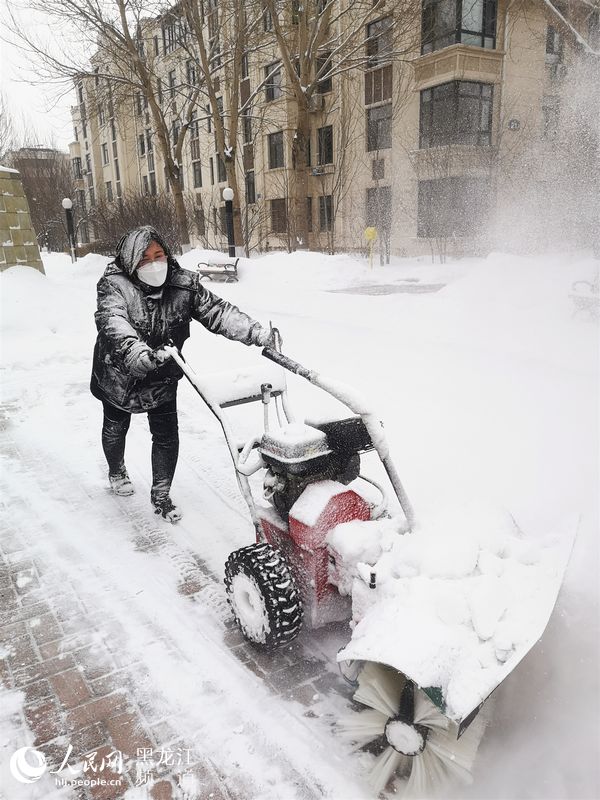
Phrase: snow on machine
{"type": "Point", "coordinates": [440, 611]}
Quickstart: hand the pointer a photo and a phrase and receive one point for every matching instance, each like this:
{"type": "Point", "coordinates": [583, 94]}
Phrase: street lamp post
{"type": "Point", "coordinates": [228, 197]}
{"type": "Point", "coordinates": [67, 204]}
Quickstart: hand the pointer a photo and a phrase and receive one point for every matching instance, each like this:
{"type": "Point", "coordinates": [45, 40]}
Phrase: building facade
{"type": "Point", "coordinates": [477, 129]}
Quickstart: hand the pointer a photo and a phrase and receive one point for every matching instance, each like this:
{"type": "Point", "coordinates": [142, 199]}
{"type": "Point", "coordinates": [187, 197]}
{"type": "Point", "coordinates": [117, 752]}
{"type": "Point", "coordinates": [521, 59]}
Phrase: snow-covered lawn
{"type": "Point", "coordinates": [489, 390]}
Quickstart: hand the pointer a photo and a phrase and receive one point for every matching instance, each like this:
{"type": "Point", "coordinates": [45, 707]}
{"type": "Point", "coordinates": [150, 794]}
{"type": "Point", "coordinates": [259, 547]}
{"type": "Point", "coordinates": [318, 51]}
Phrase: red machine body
{"type": "Point", "coordinates": [320, 508]}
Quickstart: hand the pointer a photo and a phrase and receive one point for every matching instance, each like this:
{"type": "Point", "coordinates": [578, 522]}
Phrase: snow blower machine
{"type": "Point", "coordinates": [440, 612]}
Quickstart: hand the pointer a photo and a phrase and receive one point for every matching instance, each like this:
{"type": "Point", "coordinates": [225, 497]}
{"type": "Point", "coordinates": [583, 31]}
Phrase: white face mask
{"type": "Point", "coordinates": [154, 273]}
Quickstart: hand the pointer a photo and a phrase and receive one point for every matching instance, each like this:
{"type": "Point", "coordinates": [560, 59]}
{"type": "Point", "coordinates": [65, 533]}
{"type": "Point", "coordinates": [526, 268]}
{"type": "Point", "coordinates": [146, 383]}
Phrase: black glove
{"type": "Point", "coordinates": [140, 360]}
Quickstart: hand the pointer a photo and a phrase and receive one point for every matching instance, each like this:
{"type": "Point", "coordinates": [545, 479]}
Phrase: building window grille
{"type": "Point", "coordinates": [379, 127]}
{"type": "Point", "coordinates": [197, 171]}
{"type": "Point", "coordinates": [379, 42]}
{"type": "Point", "coordinates": [325, 212]}
{"type": "Point", "coordinates": [250, 188]}
{"type": "Point", "coordinates": [276, 158]}
{"type": "Point", "coordinates": [273, 82]}
{"type": "Point", "coordinates": [448, 22]}
{"type": "Point", "coordinates": [452, 207]}
{"type": "Point", "coordinates": [325, 144]}
{"type": "Point", "coordinates": [458, 112]}
{"type": "Point", "coordinates": [279, 215]}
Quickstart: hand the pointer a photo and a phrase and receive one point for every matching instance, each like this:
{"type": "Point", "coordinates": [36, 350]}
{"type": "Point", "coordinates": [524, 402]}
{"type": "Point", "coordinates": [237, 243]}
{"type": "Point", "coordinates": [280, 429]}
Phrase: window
{"type": "Point", "coordinates": [77, 168]}
{"type": "Point", "coordinates": [88, 162]}
{"type": "Point", "coordinates": [550, 116]}
{"type": "Point", "coordinates": [200, 220]}
{"type": "Point", "coordinates": [325, 145]}
{"type": "Point", "coordinates": [221, 173]}
{"type": "Point", "coordinates": [273, 82]}
{"type": "Point", "coordinates": [169, 36]}
{"type": "Point", "coordinates": [105, 153]}
{"type": "Point", "coordinates": [195, 149]}
{"type": "Point", "coordinates": [212, 170]}
{"type": "Point", "coordinates": [247, 125]}
{"type": "Point", "coordinates": [379, 209]}
{"type": "Point", "coordinates": [192, 73]}
{"type": "Point", "coordinates": [141, 145]}
{"type": "Point", "coordinates": [155, 41]}
{"type": "Point", "coordinates": [145, 186]}
{"type": "Point", "coordinates": [208, 119]}
{"type": "Point", "coordinates": [115, 152]}
{"type": "Point", "coordinates": [379, 42]}
{"type": "Point", "coordinates": [152, 177]}
{"type": "Point", "coordinates": [459, 112]}
{"type": "Point", "coordinates": [325, 213]}
{"type": "Point", "coordinates": [149, 146]}
{"type": "Point", "coordinates": [276, 150]}
{"type": "Point", "coordinates": [76, 132]}
{"type": "Point", "coordinates": [150, 161]}
{"type": "Point", "coordinates": [323, 66]}
{"type": "Point", "coordinates": [113, 131]}
{"type": "Point", "coordinates": [593, 30]}
{"type": "Point", "coordinates": [250, 189]}
{"type": "Point", "coordinates": [138, 103]}
{"type": "Point", "coordinates": [197, 170]}
{"type": "Point", "coordinates": [80, 92]}
{"type": "Point", "coordinates": [194, 127]}
{"type": "Point", "coordinates": [378, 85]}
{"type": "Point", "coordinates": [379, 127]}
{"type": "Point", "coordinates": [175, 129]}
{"type": "Point", "coordinates": [452, 207]}
{"type": "Point", "coordinates": [92, 195]}
{"type": "Point", "coordinates": [172, 83]}
{"type": "Point", "coordinates": [267, 20]}
{"type": "Point", "coordinates": [554, 45]}
{"type": "Point", "coordinates": [244, 66]}
{"type": "Point", "coordinates": [109, 191]}
{"type": "Point", "coordinates": [309, 215]}
{"type": "Point", "coordinates": [101, 114]}
{"type": "Point", "coordinates": [84, 130]}
{"type": "Point", "coordinates": [378, 169]}
{"type": "Point", "coordinates": [278, 216]}
{"type": "Point", "coordinates": [447, 22]}
{"type": "Point", "coordinates": [117, 171]}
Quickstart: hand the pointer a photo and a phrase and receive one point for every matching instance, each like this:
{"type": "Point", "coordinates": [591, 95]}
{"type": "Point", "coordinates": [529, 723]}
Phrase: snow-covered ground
{"type": "Point", "coordinates": [489, 390]}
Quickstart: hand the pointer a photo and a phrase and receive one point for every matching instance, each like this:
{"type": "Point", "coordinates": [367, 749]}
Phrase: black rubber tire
{"type": "Point", "coordinates": [271, 616]}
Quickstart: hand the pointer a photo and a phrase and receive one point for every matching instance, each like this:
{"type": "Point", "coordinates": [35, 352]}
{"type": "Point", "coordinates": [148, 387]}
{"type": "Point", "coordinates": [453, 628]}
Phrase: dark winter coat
{"type": "Point", "coordinates": [132, 317]}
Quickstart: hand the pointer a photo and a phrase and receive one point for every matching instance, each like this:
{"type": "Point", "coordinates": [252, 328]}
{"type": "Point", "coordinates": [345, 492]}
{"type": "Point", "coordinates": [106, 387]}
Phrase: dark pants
{"type": "Point", "coordinates": [165, 443]}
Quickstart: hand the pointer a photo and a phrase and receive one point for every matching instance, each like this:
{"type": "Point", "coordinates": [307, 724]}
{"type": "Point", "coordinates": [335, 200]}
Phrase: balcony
{"type": "Point", "coordinates": [457, 62]}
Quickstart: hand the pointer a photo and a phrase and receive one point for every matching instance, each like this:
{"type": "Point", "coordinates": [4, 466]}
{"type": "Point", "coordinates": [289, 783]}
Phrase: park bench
{"type": "Point", "coordinates": [225, 272]}
{"type": "Point", "coordinates": [586, 296]}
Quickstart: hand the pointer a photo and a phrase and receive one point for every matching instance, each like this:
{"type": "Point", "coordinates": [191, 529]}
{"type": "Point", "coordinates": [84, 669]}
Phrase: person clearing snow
{"type": "Point", "coordinates": [145, 301]}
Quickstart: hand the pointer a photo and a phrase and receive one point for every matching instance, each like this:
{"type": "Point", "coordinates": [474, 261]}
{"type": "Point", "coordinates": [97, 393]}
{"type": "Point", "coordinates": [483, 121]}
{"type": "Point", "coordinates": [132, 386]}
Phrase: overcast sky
{"type": "Point", "coordinates": [37, 109]}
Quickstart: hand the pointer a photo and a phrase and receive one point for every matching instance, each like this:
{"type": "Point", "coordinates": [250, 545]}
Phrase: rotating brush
{"type": "Point", "coordinates": [419, 739]}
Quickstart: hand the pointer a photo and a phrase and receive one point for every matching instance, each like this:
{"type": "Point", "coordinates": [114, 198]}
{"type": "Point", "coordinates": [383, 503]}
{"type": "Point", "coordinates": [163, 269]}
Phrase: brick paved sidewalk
{"type": "Point", "coordinates": [87, 696]}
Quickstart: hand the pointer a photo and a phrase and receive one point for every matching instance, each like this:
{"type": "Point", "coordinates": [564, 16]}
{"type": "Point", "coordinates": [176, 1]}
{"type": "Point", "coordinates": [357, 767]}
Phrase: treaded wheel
{"type": "Point", "coordinates": [263, 596]}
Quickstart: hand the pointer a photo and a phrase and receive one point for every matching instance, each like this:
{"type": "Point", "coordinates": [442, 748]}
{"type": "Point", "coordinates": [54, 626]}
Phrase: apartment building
{"type": "Point", "coordinates": [476, 129]}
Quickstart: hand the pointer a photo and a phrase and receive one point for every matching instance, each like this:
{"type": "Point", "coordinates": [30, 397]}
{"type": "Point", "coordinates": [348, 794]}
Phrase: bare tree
{"type": "Point", "coordinates": [123, 67]}
{"type": "Point", "coordinates": [318, 40]}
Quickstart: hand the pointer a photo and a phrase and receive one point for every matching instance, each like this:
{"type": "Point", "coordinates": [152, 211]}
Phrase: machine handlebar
{"type": "Point", "coordinates": [287, 363]}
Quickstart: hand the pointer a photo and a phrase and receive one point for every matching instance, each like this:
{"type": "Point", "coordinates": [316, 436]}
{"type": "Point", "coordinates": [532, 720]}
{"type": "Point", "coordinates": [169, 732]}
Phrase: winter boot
{"type": "Point", "coordinates": [121, 483]}
{"type": "Point", "coordinates": [166, 508]}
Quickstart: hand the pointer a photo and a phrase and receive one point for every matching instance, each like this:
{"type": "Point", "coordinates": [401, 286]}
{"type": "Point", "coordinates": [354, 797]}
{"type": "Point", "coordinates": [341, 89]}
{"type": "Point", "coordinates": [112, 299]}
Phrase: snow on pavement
{"type": "Point", "coordinates": [489, 391]}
